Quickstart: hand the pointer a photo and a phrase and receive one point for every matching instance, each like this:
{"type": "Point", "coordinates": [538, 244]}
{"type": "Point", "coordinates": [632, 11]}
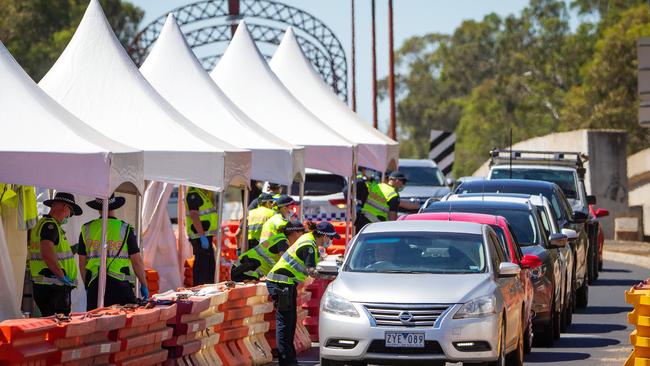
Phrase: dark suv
{"type": "Point", "coordinates": [565, 216]}
{"type": "Point", "coordinates": [548, 279]}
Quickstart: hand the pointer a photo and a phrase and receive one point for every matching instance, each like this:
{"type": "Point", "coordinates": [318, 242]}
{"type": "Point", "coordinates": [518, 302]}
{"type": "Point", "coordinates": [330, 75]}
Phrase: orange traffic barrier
{"type": "Point", "coordinates": [24, 341]}
{"type": "Point", "coordinates": [188, 276]}
{"type": "Point", "coordinates": [153, 280]}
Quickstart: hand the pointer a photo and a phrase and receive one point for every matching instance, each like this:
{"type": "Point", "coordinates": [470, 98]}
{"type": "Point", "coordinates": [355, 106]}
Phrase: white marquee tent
{"type": "Point", "coordinates": [96, 80]}
{"type": "Point", "coordinates": [174, 71]}
{"type": "Point", "coordinates": [245, 77]}
{"type": "Point", "coordinates": [45, 145]}
{"type": "Point", "coordinates": [375, 150]}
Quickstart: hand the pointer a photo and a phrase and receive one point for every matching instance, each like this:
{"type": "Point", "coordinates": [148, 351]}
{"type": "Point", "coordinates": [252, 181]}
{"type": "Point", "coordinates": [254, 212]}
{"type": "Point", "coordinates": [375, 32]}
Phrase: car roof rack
{"type": "Point", "coordinates": [531, 157]}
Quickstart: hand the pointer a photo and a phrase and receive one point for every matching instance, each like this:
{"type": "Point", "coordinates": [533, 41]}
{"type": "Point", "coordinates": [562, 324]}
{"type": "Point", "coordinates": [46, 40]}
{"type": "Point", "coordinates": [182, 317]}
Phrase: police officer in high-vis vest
{"type": "Point", "coordinates": [275, 190]}
{"type": "Point", "coordinates": [383, 201]}
{"type": "Point", "coordinates": [201, 224]}
{"type": "Point", "coordinates": [276, 223]}
{"type": "Point", "coordinates": [257, 217]}
{"type": "Point", "coordinates": [51, 261]}
{"type": "Point", "coordinates": [295, 265]}
{"type": "Point", "coordinates": [123, 260]}
{"type": "Point", "coordinates": [258, 261]}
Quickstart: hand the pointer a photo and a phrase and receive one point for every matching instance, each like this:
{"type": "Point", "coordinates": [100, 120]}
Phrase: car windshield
{"type": "Point", "coordinates": [320, 184]}
{"type": "Point", "coordinates": [420, 252]}
{"type": "Point", "coordinates": [565, 179]}
{"type": "Point", "coordinates": [522, 222]}
{"type": "Point", "coordinates": [423, 176]}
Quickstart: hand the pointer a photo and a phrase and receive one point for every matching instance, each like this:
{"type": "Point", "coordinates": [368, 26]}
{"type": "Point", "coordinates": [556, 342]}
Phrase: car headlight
{"type": "Point", "coordinates": [336, 304]}
{"type": "Point", "coordinates": [479, 307]}
{"type": "Point", "coordinates": [538, 273]}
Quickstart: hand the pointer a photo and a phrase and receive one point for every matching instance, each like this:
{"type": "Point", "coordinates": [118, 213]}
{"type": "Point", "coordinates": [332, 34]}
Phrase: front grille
{"type": "Point", "coordinates": [430, 348]}
{"type": "Point", "coordinates": [392, 315]}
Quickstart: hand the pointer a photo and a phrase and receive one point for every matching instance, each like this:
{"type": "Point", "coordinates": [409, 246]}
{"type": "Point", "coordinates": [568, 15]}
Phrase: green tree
{"type": "Point", "coordinates": [37, 31]}
{"type": "Point", "coordinates": [608, 98]}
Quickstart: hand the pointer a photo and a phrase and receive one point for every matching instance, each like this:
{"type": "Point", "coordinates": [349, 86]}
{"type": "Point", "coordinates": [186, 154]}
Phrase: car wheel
{"type": "Point", "coordinates": [563, 318]}
{"type": "Point", "coordinates": [590, 265]}
{"type": "Point", "coordinates": [501, 359]}
{"type": "Point", "coordinates": [516, 357]}
{"type": "Point", "coordinates": [600, 264]}
{"type": "Point", "coordinates": [529, 337]}
{"type": "Point", "coordinates": [582, 296]}
{"type": "Point", "coordinates": [557, 324]}
{"type": "Point", "coordinates": [545, 337]}
{"type": "Point", "coordinates": [596, 262]}
{"type": "Point", "coordinates": [570, 307]}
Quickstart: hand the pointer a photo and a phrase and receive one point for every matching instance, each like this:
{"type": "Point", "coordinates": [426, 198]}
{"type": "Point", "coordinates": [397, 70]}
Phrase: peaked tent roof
{"type": "Point", "coordinates": [375, 150]}
{"type": "Point", "coordinates": [96, 80]}
{"type": "Point", "coordinates": [245, 77]}
{"type": "Point", "coordinates": [45, 145]}
{"type": "Point", "coordinates": [177, 75]}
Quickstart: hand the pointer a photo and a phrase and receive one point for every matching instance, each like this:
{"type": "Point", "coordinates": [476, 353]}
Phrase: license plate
{"type": "Point", "coordinates": [404, 340]}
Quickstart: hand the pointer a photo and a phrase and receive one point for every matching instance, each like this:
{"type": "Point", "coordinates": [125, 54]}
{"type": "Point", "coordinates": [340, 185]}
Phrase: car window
{"type": "Point", "coordinates": [421, 252]}
{"type": "Point", "coordinates": [546, 222]}
{"type": "Point", "coordinates": [565, 179]}
{"type": "Point", "coordinates": [500, 248]}
{"type": "Point", "coordinates": [503, 242]}
{"type": "Point", "coordinates": [516, 247]}
{"type": "Point", "coordinates": [320, 184]}
{"type": "Point", "coordinates": [423, 176]}
{"type": "Point", "coordinates": [496, 252]}
{"type": "Point", "coordinates": [566, 207]}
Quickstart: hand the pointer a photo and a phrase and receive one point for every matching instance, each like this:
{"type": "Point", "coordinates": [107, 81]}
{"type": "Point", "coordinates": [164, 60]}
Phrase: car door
{"type": "Point", "coordinates": [511, 290]}
{"type": "Point", "coordinates": [581, 244]}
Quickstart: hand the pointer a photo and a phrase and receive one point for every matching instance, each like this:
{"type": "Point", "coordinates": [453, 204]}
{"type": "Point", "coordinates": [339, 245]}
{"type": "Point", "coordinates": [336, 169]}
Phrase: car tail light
{"type": "Point", "coordinates": [530, 261]}
{"type": "Point", "coordinates": [340, 203]}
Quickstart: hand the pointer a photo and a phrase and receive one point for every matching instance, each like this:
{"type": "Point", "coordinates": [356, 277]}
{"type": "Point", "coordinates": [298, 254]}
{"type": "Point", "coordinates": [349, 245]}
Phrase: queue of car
{"type": "Point", "coordinates": [478, 276]}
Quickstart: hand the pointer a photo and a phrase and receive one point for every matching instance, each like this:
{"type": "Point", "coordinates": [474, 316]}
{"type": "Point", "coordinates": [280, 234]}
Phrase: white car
{"type": "Point", "coordinates": [424, 292]}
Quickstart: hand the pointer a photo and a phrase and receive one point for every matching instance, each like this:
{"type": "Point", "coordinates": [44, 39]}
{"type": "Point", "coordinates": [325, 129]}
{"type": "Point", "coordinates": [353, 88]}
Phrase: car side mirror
{"type": "Point", "coordinates": [558, 240]}
{"type": "Point", "coordinates": [580, 217]}
{"type": "Point", "coordinates": [450, 182]}
{"type": "Point", "coordinates": [570, 234]}
{"type": "Point", "coordinates": [507, 269]}
{"type": "Point", "coordinates": [530, 261]}
{"type": "Point", "coordinates": [601, 212]}
{"type": "Point", "coordinates": [591, 200]}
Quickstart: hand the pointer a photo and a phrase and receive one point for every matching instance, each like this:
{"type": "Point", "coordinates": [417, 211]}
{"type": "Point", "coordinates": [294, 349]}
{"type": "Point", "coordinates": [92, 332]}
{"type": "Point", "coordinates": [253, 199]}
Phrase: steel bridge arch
{"type": "Point", "coordinates": [267, 20]}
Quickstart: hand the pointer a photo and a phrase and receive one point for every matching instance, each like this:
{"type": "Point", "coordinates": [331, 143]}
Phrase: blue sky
{"type": "Point", "coordinates": [411, 17]}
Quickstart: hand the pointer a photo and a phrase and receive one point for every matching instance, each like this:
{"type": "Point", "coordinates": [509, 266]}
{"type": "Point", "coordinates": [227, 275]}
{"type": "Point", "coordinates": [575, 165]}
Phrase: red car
{"type": "Point", "coordinates": [501, 226]}
{"type": "Point", "coordinates": [600, 237]}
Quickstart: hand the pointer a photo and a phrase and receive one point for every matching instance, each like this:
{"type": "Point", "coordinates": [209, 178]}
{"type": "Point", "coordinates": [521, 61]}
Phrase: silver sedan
{"type": "Point", "coordinates": [424, 291]}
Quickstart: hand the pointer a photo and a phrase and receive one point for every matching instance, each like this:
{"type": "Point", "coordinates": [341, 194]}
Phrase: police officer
{"type": "Point", "coordinates": [383, 201]}
{"type": "Point", "coordinates": [201, 225]}
{"type": "Point", "coordinates": [257, 217]}
{"type": "Point", "coordinates": [276, 223]}
{"type": "Point", "coordinates": [123, 260]}
{"type": "Point", "coordinates": [275, 190]}
{"type": "Point", "coordinates": [257, 262]}
{"type": "Point", "coordinates": [51, 261]}
{"type": "Point", "coordinates": [295, 265]}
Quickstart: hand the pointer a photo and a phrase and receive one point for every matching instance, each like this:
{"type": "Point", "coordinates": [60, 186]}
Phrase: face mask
{"type": "Point", "coordinates": [65, 221]}
{"type": "Point", "coordinates": [287, 215]}
{"type": "Point", "coordinates": [327, 243]}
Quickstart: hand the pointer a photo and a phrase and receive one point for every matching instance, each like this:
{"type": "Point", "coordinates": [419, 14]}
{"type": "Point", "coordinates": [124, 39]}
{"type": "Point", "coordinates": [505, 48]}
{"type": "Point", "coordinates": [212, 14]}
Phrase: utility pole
{"type": "Point", "coordinates": [392, 133]}
{"type": "Point", "coordinates": [374, 69]}
{"type": "Point", "coordinates": [233, 13]}
{"type": "Point", "coordinates": [354, 64]}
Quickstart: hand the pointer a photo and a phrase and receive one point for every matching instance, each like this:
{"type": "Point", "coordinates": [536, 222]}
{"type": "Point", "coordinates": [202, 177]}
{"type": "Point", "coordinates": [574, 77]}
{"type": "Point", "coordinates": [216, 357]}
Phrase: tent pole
{"type": "Point", "coordinates": [244, 223]}
{"type": "Point", "coordinates": [348, 214]}
{"type": "Point", "coordinates": [301, 206]}
{"type": "Point", "coordinates": [102, 263]}
{"type": "Point", "coordinates": [138, 228]}
{"type": "Point", "coordinates": [217, 258]}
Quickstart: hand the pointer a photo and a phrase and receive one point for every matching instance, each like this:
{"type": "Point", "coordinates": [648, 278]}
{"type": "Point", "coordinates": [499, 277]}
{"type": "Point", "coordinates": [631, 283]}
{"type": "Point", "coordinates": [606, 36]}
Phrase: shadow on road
{"type": "Point", "coordinates": [585, 342]}
{"type": "Point", "coordinates": [549, 357]}
{"type": "Point", "coordinates": [615, 270]}
{"type": "Point", "coordinates": [596, 328]}
{"type": "Point", "coordinates": [605, 310]}
{"type": "Point", "coordinates": [615, 282]}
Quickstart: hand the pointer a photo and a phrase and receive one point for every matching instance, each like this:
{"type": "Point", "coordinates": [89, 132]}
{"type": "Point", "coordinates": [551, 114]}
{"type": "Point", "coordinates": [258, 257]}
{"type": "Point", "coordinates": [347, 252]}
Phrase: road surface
{"type": "Point", "coordinates": [599, 333]}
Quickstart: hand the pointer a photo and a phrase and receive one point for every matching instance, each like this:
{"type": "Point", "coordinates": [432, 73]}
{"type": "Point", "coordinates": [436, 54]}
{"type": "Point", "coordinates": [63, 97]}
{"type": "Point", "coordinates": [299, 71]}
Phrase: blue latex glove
{"type": "Point", "coordinates": [205, 244]}
{"type": "Point", "coordinates": [144, 291]}
{"type": "Point", "coordinates": [67, 281]}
